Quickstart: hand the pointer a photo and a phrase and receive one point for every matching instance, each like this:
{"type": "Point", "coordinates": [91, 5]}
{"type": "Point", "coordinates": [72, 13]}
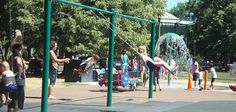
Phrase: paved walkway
{"type": "Point", "coordinates": [173, 98]}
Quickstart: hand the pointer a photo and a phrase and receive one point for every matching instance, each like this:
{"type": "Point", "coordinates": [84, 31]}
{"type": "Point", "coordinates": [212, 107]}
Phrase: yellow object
{"type": "Point", "coordinates": [142, 76]}
{"type": "Point", "coordinates": [205, 79]}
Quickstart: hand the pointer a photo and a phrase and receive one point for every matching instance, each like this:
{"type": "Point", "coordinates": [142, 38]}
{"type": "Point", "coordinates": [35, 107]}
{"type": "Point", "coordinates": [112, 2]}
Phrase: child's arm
{"type": "Point", "coordinates": [87, 60]}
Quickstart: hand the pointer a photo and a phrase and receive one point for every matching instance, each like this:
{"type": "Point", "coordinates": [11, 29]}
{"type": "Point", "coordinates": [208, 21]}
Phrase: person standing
{"type": "Point", "coordinates": [134, 64]}
{"type": "Point", "coordinates": [54, 67]}
{"type": "Point", "coordinates": [157, 72]}
{"type": "Point", "coordinates": [213, 76]}
{"type": "Point", "coordinates": [19, 67]}
{"type": "Point", "coordinates": [124, 60]}
{"type": "Point", "coordinates": [195, 71]}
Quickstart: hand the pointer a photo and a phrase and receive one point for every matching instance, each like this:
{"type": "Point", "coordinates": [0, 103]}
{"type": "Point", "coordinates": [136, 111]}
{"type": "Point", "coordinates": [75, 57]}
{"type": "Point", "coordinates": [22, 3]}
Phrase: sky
{"type": "Point", "coordinates": [173, 3]}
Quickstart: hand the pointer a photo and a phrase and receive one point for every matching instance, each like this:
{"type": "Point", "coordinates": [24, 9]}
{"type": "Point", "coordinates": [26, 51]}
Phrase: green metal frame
{"type": "Point", "coordinates": [47, 35]}
{"type": "Point", "coordinates": [152, 48]}
{"type": "Point", "coordinates": [113, 14]}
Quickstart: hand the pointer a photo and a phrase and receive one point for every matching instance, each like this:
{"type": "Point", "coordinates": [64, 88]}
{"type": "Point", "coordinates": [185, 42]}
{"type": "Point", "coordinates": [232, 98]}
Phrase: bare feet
{"type": "Point", "coordinates": [52, 98]}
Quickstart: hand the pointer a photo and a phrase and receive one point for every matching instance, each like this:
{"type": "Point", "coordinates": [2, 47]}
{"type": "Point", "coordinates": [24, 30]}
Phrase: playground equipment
{"type": "Point", "coordinates": [129, 80]}
{"type": "Point", "coordinates": [172, 46]}
{"type": "Point", "coordinates": [175, 43]}
{"type": "Point", "coordinates": [113, 14]}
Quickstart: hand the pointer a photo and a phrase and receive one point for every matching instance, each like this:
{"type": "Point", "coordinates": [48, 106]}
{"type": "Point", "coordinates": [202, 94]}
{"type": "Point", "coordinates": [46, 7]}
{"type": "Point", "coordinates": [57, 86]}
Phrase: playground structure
{"type": "Point", "coordinates": [172, 46]}
{"type": "Point", "coordinates": [113, 14]}
{"type": "Point", "coordinates": [128, 79]}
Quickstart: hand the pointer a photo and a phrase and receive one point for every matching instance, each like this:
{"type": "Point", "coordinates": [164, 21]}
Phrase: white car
{"type": "Point", "coordinates": [232, 68]}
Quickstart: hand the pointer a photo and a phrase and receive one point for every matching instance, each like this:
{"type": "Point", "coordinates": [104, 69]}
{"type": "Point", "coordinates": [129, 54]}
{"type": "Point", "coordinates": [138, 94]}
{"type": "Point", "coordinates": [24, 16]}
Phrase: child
{"type": "Point", "coordinates": [213, 76]}
{"type": "Point", "coordinates": [200, 80]}
{"type": "Point", "coordinates": [175, 66]}
{"type": "Point", "coordinates": [8, 79]}
{"type": "Point", "coordinates": [134, 64]}
{"type": "Point", "coordinates": [157, 62]}
{"type": "Point", "coordinates": [84, 66]}
{"type": "Point", "coordinates": [124, 60]}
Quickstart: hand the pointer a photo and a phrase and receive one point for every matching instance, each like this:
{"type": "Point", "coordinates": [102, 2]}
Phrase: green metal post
{"type": "Point", "coordinates": [170, 50]}
{"type": "Point", "coordinates": [111, 58]}
{"type": "Point", "coordinates": [152, 48]}
{"type": "Point", "coordinates": [159, 29]}
{"type": "Point", "coordinates": [47, 35]}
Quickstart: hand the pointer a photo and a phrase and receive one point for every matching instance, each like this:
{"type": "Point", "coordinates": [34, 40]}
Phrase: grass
{"type": "Point", "coordinates": [223, 77]}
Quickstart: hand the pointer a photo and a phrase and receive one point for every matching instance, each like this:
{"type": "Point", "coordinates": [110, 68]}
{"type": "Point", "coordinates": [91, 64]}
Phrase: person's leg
{"type": "Point", "coordinates": [195, 83]}
{"type": "Point", "coordinates": [212, 83]}
{"type": "Point", "coordinates": [21, 96]}
{"type": "Point", "coordinates": [195, 79]}
{"type": "Point", "coordinates": [53, 77]}
{"type": "Point", "coordinates": [1, 100]}
{"type": "Point", "coordinates": [13, 104]}
{"type": "Point", "coordinates": [158, 83]}
{"type": "Point", "coordinates": [155, 82]}
{"type": "Point", "coordinates": [8, 100]}
{"type": "Point", "coordinates": [144, 79]}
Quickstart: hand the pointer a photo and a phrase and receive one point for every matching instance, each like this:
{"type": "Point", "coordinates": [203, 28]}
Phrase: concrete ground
{"type": "Point", "coordinates": [72, 97]}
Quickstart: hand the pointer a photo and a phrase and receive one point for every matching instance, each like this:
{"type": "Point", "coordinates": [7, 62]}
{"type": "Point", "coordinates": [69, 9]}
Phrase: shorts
{"type": "Point", "coordinates": [195, 76]}
{"type": "Point", "coordinates": [53, 76]}
{"type": "Point", "coordinates": [213, 80]}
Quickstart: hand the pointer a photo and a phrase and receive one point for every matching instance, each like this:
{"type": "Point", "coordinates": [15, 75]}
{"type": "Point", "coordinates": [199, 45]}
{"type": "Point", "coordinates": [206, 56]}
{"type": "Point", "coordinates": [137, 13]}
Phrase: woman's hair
{"type": "Point", "coordinates": [142, 50]}
{"type": "Point", "coordinates": [17, 47]}
{"type": "Point", "coordinates": [96, 57]}
{"type": "Point", "coordinates": [52, 45]}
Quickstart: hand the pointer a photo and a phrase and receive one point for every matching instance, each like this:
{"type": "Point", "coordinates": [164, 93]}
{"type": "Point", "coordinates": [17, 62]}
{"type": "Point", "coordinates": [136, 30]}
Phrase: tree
{"type": "Point", "coordinates": [81, 31]}
{"type": "Point", "coordinates": [214, 29]}
{"type": "Point", "coordinates": [180, 11]}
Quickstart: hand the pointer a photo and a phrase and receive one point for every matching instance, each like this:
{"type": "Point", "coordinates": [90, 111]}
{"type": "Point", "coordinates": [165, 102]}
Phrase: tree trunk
{"type": "Point", "coordinates": [3, 54]}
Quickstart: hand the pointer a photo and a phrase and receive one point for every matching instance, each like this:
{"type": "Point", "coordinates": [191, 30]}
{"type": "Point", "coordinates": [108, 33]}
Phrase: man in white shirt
{"type": "Point", "coordinates": [195, 71]}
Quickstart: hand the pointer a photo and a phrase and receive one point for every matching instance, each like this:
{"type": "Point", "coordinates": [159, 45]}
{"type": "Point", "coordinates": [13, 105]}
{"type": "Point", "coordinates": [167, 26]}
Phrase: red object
{"type": "Point", "coordinates": [232, 87]}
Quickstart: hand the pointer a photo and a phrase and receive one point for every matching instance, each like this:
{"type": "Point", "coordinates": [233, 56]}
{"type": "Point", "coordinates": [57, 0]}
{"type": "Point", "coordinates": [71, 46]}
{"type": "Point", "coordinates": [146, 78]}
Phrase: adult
{"type": "Point", "coordinates": [195, 71]}
{"type": "Point", "coordinates": [189, 63]}
{"type": "Point", "coordinates": [54, 67]}
{"type": "Point", "coordinates": [19, 67]}
{"type": "Point", "coordinates": [124, 60]}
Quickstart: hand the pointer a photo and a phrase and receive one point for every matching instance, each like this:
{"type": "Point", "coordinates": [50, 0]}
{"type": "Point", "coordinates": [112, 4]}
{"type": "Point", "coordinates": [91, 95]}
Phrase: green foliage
{"type": "Point", "coordinates": [180, 11]}
{"type": "Point", "coordinates": [80, 31]}
{"type": "Point", "coordinates": [214, 28]}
